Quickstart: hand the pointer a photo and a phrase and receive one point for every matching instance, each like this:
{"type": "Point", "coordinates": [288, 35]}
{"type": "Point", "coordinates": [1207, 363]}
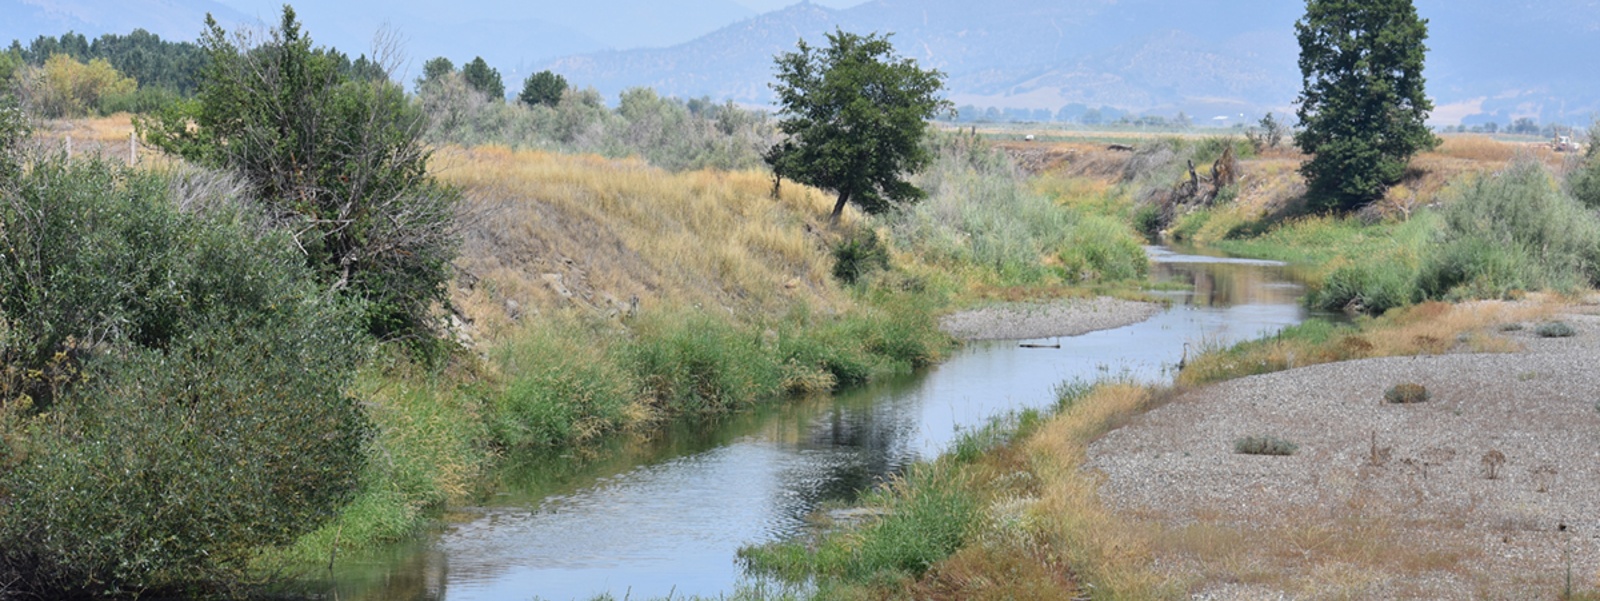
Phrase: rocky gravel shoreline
{"type": "Point", "coordinates": [1400, 500]}
{"type": "Point", "coordinates": [1071, 317]}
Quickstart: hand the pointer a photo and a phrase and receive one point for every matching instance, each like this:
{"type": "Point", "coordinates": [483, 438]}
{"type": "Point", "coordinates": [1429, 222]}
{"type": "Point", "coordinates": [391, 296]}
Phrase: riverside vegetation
{"type": "Point", "coordinates": [248, 396]}
{"type": "Point", "coordinates": [1475, 220]}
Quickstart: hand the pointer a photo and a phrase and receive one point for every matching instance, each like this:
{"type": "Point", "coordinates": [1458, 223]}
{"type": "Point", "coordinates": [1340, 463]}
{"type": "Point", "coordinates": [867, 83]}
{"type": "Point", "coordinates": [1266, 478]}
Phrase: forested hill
{"type": "Point", "coordinates": [1488, 60]}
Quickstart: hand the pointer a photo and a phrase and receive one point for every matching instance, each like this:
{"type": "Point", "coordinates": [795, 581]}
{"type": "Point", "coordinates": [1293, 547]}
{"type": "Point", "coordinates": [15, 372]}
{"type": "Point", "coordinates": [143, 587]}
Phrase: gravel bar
{"type": "Point", "coordinates": [1421, 470]}
{"type": "Point", "coordinates": [1019, 321]}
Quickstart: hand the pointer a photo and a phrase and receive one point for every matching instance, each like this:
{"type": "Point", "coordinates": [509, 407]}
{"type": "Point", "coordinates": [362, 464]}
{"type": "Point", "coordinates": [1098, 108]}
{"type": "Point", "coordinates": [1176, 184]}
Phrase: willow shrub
{"type": "Point", "coordinates": [1513, 230]}
{"type": "Point", "coordinates": [192, 409]}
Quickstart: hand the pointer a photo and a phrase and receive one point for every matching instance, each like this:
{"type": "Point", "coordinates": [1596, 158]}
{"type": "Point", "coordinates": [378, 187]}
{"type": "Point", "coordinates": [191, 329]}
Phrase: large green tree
{"type": "Point", "coordinates": [484, 78]}
{"type": "Point", "coordinates": [337, 158]}
{"type": "Point", "coordinates": [855, 114]}
{"type": "Point", "coordinates": [544, 87]}
{"type": "Point", "coordinates": [1362, 105]}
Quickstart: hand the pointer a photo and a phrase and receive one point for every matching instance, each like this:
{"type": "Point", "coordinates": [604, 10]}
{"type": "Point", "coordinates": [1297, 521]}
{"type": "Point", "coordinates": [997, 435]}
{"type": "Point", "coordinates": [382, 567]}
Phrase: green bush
{"type": "Point", "coordinates": [1101, 249]}
{"type": "Point", "coordinates": [1264, 445]}
{"type": "Point", "coordinates": [859, 254]}
{"type": "Point", "coordinates": [1406, 393]}
{"type": "Point", "coordinates": [192, 409]}
{"type": "Point", "coordinates": [980, 212]}
{"type": "Point", "coordinates": [1513, 230]}
{"type": "Point", "coordinates": [1377, 285]}
{"type": "Point", "coordinates": [1555, 329]}
{"type": "Point", "coordinates": [924, 518]}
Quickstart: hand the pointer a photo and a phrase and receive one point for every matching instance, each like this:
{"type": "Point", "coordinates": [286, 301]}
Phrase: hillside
{"type": "Point", "coordinates": [1487, 61]}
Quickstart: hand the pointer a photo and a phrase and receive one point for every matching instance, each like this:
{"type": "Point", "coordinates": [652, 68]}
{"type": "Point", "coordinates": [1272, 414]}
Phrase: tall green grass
{"type": "Point", "coordinates": [982, 216]}
{"type": "Point", "coordinates": [566, 381]}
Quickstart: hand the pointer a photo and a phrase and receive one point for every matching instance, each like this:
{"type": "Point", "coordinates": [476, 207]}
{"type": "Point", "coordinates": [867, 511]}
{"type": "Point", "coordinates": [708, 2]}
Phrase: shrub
{"type": "Point", "coordinates": [1513, 230]}
{"type": "Point", "coordinates": [1368, 287]}
{"type": "Point", "coordinates": [1406, 393]}
{"type": "Point", "coordinates": [191, 408]}
{"type": "Point", "coordinates": [1264, 445]}
{"type": "Point", "coordinates": [1101, 249]}
{"type": "Point", "coordinates": [857, 255]}
{"type": "Point", "coordinates": [340, 158]}
{"type": "Point", "coordinates": [1555, 329]}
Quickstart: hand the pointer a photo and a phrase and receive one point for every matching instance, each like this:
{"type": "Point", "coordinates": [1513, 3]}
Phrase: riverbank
{"type": "Point", "coordinates": [1483, 491]}
{"type": "Point", "coordinates": [1136, 492]}
{"type": "Point", "coordinates": [1071, 317]}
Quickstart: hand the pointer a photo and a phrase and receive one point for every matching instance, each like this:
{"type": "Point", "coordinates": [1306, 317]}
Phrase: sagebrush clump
{"type": "Point", "coordinates": [1555, 329]}
{"type": "Point", "coordinates": [1264, 445]}
{"type": "Point", "coordinates": [1406, 393]}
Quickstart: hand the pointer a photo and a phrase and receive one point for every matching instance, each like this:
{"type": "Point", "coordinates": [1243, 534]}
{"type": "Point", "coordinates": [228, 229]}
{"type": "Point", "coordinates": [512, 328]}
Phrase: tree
{"type": "Point", "coordinates": [434, 69]}
{"type": "Point", "coordinates": [544, 88]}
{"type": "Point", "coordinates": [1362, 105]}
{"type": "Point", "coordinates": [855, 115]}
{"type": "Point", "coordinates": [484, 78]}
{"type": "Point", "coordinates": [339, 160]}
{"type": "Point", "coordinates": [64, 87]}
{"type": "Point", "coordinates": [1269, 136]}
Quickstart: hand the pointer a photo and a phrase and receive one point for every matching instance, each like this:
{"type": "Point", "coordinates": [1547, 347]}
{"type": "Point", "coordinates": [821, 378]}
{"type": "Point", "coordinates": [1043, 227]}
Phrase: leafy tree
{"type": "Point", "coordinates": [1362, 104]}
{"type": "Point", "coordinates": [340, 160]}
{"type": "Point", "coordinates": [484, 79]}
{"type": "Point", "coordinates": [64, 87]}
{"type": "Point", "coordinates": [10, 63]}
{"type": "Point", "coordinates": [1269, 136]}
{"type": "Point", "coordinates": [544, 88]}
{"type": "Point", "coordinates": [856, 115]}
{"type": "Point", "coordinates": [434, 69]}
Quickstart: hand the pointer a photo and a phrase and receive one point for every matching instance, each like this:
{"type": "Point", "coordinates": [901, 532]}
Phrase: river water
{"type": "Point", "coordinates": [651, 516]}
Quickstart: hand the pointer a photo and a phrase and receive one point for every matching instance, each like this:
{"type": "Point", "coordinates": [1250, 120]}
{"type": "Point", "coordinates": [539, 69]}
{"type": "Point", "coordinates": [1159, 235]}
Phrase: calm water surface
{"type": "Point", "coordinates": [645, 517]}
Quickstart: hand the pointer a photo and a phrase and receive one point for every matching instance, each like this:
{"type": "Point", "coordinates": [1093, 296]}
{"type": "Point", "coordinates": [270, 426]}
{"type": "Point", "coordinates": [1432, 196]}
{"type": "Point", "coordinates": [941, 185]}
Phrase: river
{"type": "Point", "coordinates": [650, 516]}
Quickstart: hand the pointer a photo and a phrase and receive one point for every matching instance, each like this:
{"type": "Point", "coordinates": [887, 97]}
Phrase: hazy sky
{"type": "Point", "coordinates": [538, 29]}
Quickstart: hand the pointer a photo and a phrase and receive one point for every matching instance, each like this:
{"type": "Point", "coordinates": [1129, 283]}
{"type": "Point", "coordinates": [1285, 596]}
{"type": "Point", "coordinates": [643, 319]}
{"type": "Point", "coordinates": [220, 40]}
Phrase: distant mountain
{"type": "Point", "coordinates": [1490, 60]}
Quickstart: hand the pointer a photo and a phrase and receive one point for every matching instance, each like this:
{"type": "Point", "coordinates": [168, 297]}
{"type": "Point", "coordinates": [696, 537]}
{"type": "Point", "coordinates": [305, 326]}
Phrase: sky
{"type": "Point", "coordinates": [514, 36]}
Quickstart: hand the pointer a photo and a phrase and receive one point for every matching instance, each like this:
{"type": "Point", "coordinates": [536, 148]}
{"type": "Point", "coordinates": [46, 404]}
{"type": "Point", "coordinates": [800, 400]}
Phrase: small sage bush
{"type": "Point", "coordinates": [1264, 445]}
{"type": "Point", "coordinates": [1406, 393]}
{"type": "Point", "coordinates": [1555, 329]}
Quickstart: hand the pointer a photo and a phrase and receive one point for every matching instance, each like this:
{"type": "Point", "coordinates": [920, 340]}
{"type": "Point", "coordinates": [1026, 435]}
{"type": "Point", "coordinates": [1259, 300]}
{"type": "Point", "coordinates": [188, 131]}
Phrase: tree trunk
{"type": "Point", "coordinates": [838, 207]}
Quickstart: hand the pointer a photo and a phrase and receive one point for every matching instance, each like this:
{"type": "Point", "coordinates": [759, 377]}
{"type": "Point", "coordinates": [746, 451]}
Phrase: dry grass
{"type": "Point", "coordinates": [1485, 149]}
{"type": "Point", "coordinates": [549, 231]}
{"type": "Point", "coordinates": [1110, 552]}
{"type": "Point", "coordinates": [1427, 329]}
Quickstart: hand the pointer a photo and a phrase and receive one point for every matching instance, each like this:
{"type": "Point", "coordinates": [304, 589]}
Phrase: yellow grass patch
{"type": "Point", "coordinates": [1108, 551]}
{"type": "Point", "coordinates": [1427, 329]}
{"type": "Point", "coordinates": [549, 231]}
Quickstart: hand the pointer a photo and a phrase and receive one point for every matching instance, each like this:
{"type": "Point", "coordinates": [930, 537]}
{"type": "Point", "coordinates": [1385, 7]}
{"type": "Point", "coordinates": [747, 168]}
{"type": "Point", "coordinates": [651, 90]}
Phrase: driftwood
{"type": "Point", "coordinates": [1120, 147]}
{"type": "Point", "coordinates": [1197, 190]}
{"type": "Point", "coordinates": [1027, 345]}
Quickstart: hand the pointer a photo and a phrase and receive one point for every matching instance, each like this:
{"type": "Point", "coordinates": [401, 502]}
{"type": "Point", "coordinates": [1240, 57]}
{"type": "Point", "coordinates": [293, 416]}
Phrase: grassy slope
{"type": "Point", "coordinates": [736, 303]}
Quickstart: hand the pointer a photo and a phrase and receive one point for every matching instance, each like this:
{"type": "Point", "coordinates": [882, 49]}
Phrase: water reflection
{"type": "Point", "coordinates": [664, 514]}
